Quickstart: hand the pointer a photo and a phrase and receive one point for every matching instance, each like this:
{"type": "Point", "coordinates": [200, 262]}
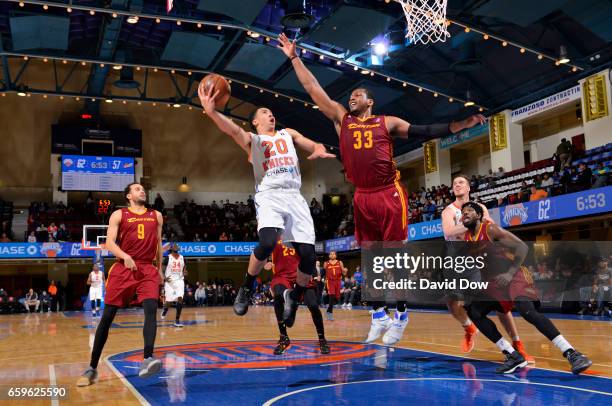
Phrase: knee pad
{"type": "Point", "coordinates": [308, 258]}
{"type": "Point", "coordinates": [268, 237]}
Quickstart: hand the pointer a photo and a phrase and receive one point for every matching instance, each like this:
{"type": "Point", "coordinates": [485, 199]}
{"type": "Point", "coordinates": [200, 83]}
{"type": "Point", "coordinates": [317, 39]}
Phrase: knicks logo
{"type": "Point", "coordinates": [252, 354]}
{"type": "Point", "coordinates": [515, 215]}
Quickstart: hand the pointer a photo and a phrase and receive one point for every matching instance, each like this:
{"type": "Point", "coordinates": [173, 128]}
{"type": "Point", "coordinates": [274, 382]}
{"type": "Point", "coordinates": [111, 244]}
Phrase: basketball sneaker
{"type": "Point", "coordinates": [88, 377]}
{"type": "Point", "coordinates": [148, 367]}
{"type": "Point", "coordinates": [164, 312]}
{"type": "Point", "coordinates": [579, 362]}
{"type": "Point", "coordinates": [178, 324]}
{"type": "Point", "coordinates": [330, 316]}
{"type": "Point", "coordinates": [323, 347]}
{"type": "Point", "coordinates": [518, 345]}
{"type": "Point", "coordinates": [349, 306]}
{"type": "Point", "coordinates": [291, 306]}
{"type": "Point", "coordinates": [282, 345]}
{"type": "Point", "coordinates": [513, 361]}
{"type": "Point", "coordinates": [241, 304]}
{"type": "Point", "coordinates": [381, 322]}
{"type": "Point", "coordinates": [469, 339]}
{"type": "Point", "coordinates": [394, 334]}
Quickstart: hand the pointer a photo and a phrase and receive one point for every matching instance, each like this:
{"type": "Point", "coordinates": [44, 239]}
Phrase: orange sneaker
{"type": "Point", "coordinates": [518, 345]}
{"type": "Point", "coordinates": [469, 339]}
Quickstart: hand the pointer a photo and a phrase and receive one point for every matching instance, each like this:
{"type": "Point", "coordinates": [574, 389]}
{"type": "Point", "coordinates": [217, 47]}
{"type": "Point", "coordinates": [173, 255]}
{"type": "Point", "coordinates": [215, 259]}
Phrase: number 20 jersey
{"type": "Point", "coordinates": [275, 162]}
{"type": "Point", "coordinates": [367, 152]}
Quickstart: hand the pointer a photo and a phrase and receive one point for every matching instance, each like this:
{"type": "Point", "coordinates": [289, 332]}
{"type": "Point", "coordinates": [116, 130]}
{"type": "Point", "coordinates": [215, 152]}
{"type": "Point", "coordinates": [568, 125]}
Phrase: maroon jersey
{"type": "Point", "coordinates": [333, 272]}
{"type": "Point", "coordinates": [482, 234]}
{"type": "Point", "coordinates": [138, 235]}
{"type": "Point", "coordinates": [285, 261]}
{"type": "Point", "coordinates": [367, 152]}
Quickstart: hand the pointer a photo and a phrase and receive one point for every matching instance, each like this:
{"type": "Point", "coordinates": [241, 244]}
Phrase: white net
{"type": "Point", "coordinates": [426, 20]}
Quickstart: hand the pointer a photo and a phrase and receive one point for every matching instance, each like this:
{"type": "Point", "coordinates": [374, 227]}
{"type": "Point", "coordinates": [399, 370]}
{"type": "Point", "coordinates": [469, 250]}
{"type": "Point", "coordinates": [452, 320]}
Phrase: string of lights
{"type": "Point", "coordinates": [319, 54]}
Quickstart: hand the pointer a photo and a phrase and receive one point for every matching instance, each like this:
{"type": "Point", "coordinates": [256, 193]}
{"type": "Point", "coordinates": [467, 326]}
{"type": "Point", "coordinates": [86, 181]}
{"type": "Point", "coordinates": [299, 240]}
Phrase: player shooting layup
{"type": "Point", "coordinates": [281, 209]}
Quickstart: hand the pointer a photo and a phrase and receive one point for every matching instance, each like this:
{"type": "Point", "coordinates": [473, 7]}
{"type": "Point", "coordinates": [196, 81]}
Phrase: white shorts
{"type": "Point", "coordinates": [173, 290]}
{"type": "Point", "coordinates": [288, 210]}
{"type": "Point", "coordinates": [95, 293]}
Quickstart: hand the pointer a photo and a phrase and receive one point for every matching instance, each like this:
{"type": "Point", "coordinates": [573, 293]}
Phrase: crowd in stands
{"type": "Point", "coordinates": [6, 221]}
{"type": "Point", "coordinates": [51, 299]}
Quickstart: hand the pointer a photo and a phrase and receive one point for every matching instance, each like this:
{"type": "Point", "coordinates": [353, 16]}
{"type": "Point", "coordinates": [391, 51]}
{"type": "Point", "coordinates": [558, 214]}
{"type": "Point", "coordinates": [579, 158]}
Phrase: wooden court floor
{"type": "Point", "coordinates": [39, 349]}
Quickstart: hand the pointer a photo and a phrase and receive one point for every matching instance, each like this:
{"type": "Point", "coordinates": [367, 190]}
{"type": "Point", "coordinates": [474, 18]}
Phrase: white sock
{"type": "Point", "coordinates": [504, 345]}
{"type": "Point", "coordinates": [516, 338]}
{"type": "Point", "coordinates": [561, 343]}
{"type": "Point", "coordinates": [467, 323]}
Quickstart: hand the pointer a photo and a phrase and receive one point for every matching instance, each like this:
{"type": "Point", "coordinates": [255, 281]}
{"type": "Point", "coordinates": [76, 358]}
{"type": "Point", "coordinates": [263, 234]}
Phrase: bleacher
{"type": "Point", "coordinates": [6, 217]}
{"type": "Point", "coordinates": [511, 182]}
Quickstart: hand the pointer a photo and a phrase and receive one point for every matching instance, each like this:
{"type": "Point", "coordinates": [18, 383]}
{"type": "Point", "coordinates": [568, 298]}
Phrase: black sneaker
{"type": "Point", "coordinates": [513, 361]}
{"type": "Point", "coordinates": [282, 345]}
{"type": "Point", "coordinates": [578, 362]}
{"type": "Point", "coordinates": [241, 304]}
{"type": "Point", "coordinates": [290, 309]}
{"type": "Point", "coordinates": [323, 347]}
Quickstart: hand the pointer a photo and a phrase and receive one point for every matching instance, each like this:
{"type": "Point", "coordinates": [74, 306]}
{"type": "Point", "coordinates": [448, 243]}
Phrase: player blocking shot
{"type": "Point", "coordinates": [95, 280]}
{"type": "Point", "coordinates": [284, 265]}
{"type": "Point", "coordinates": [280, 207]}
{"type": "Point", "coordinates": [366, 146]}
{"type": "Point", "coordinates": [134, 238]}
{"type": "Point", "coordinates": [510, 286]}
{"type": "Point", "coordinates": [174, 284]}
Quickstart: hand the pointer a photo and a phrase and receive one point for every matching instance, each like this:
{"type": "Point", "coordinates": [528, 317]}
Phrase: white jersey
{"type": "Point", "coordinates": [96, 279]}
{"type": "Point", "coordinates": [456, 218]}
{"type": "Point", "coordinates": [275, 162]}
{"type": "Point", "coordinates": [175, 267]}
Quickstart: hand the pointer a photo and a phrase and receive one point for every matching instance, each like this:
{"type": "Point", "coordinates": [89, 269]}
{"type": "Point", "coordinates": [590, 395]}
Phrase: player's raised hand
{"type": "Point", "coordinates": [268, 266]}
{"type": "Point", "coordinates": [207, 98]}
{"type": "Point", "coordinates": [287, 46]}
{"type": "Point", "coordinates": [320, 152]}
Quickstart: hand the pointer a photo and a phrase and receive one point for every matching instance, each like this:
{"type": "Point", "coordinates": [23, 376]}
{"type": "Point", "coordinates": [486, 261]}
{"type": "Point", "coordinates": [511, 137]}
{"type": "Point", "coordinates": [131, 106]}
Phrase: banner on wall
{"type": "Point", "coordinates": [548, 103]}
{"type": "Point", "coordinates": [73, 250]}
{"type": "Point", "coordinates": [463, 136]}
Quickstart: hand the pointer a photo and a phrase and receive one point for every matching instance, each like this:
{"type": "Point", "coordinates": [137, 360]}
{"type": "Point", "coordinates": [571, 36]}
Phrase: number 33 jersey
{"type": "Point", "coordinates": [367, 152]}
{"type": "Point", "coordinates": [138, 234]}
{"type": "Point", "coordinates": [275, 162]}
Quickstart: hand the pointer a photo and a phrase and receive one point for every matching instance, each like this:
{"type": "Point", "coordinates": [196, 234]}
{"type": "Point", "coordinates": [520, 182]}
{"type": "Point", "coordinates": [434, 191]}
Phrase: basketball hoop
{"type": "Point", "coordinates": [425, 20]}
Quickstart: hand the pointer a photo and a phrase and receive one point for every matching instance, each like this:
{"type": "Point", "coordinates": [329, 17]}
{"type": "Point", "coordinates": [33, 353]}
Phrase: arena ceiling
{"type": "Point", "coordinates": [235, 38]}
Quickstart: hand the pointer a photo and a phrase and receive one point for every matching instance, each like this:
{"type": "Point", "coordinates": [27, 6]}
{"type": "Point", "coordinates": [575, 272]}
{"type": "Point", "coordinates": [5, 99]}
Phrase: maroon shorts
{"type": "Point", "coordinates": [122, 284]}
{"type": "Point", "coordinates": [521, 286]}
{"type": "Point", "coordinates": [288, 282]}
{"type": "Point", "coordinates": [333, 288]}
{"type": "Point", "coordinates": [381, 214]}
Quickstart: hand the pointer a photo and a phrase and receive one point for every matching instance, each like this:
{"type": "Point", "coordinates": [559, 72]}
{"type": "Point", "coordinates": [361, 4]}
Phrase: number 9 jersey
{"type": "Point", "coordinates": [138, 235]}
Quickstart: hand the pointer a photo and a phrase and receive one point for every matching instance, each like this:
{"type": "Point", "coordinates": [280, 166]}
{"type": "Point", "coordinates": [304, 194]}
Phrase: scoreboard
{"type": "Point", "coordinates": [96, 173]}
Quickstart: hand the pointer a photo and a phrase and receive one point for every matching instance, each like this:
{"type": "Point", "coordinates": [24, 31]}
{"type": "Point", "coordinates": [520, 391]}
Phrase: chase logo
{"type": "Point", "coordinates": [252, 354]}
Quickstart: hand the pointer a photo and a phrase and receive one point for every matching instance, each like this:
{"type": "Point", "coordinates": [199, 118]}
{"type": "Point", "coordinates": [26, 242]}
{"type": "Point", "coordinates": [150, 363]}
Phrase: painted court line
{"type": "Point", "coordinates": [53, 382]}
{"type": "Point", "coordinates": [335, 363]}
{"type": "Point", "coordinates": [127, 383]}
{"type": "Point", "coordinates": [285, 395]}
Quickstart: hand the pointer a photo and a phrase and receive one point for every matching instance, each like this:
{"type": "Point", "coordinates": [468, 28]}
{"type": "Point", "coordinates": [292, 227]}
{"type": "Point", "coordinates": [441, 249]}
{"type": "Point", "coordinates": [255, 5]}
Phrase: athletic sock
{"type": "Point", "coordinates": [467, 323]}
{"type": "Point", "coordinates": [179, 309]}
{"type": "Point", "coordinates": [516, 338]}
{"type": "Point", "coordinates": [561, 343]}
{"type": "Point", "coordinates": [249, 280]}
{"type": "Point", "coordinates": [504, 346]}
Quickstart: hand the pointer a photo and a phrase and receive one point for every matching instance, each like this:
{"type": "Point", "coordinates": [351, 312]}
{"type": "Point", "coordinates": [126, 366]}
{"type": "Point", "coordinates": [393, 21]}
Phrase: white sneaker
{"type": "Point", "coordinates": [349, 306]}
{"type": "Point", "coordinates": [394, 334]}
{"type": "Point", "coordinates": [163, 314]}
{"type": "Point", "coordinates": [343, 305]}
{"type": "Point", "coordinates": [379, 326]}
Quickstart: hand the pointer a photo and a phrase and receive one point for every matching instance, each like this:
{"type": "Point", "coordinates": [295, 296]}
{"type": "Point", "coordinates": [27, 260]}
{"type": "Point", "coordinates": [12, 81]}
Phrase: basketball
{"type": "Point", "coordinates": [219, 84]}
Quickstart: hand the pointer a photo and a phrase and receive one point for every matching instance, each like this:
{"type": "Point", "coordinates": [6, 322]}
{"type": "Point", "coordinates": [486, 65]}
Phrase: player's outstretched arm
{"type": "Point", "coordinates": [316, 150]}
{"type": "Point", "coordinates": [331, 109]}
{"type": "Point", "coordinates": [511, 241]}
{"type": "Point", "coordinates": [225, 124]}
{"type": "Point", "coordinates": [402, 129]}
{"type": "Point", "coordinates": [111, 240]}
